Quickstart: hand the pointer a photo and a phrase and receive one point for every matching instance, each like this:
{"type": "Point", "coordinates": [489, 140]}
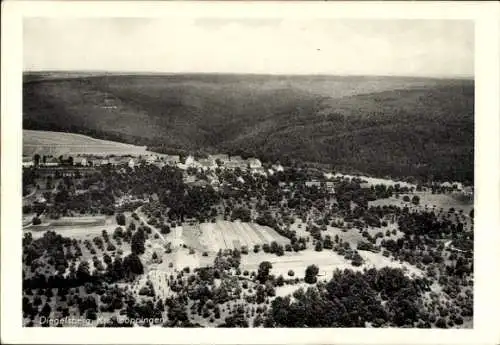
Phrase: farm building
{"type": "Point", "coordinates": [207, 164]}
{"type": "Point", "coordinates": [150, 159]}
{"type": "Point", "coordinates": [51, 162]}
{"type": "Point", "coordinates": [277, 167]}
{"type": "Point", "coordinates": [115, 161]}
{"type": "Point", "coordinates": [262, 171]}
{"type": "Point", "coordinates": [313, 183]}
{"type": "Point", "coordinates": [190, 161]}
{"type": "Point", "coordinates": [172, 160]}
{"type": "Point", "coordinates": [446, 185]}
{"type": "Point", "coordinates": [330, 187]}
{"type": "Point", "coordinates": [95, 162]}
{"type": "Point", "coordinates": [254, 163]}
{"type": "Point", "coordinates": [468, 191]}
{"type": "Point", "coordinates": [222, 157]}
{"type": "Point", "coordinates": [131, 163]}
{"type": "Point", "coordinates": [328, 175]}
{"type": "Point", "coordinates": [235, 162]}
{"type": "Point", "coordinates": [82, 161]}
{"type": "Point", "coordinates": [28, 162]}
{"type": "Point", "coordinates": [214, 182]}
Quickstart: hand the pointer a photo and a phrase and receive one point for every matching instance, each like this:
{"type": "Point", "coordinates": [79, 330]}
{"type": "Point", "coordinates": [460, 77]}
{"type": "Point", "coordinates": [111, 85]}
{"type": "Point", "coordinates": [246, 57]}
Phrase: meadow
{"type": "Point", "coordinates": [60, 143]}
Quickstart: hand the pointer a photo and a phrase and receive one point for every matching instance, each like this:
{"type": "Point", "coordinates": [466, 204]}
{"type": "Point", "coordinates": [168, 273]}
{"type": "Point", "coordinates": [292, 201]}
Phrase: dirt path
{"type": "Point", "coordinates": [142, 219]}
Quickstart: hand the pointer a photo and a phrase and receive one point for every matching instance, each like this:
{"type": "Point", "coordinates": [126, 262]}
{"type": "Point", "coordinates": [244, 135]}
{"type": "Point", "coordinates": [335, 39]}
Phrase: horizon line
{"type": "Point", "coordinates": [458, 76]}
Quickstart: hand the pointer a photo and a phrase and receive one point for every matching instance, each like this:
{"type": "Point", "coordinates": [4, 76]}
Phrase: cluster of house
{"type": "Point", "coordinates": [210, 163]}
{"type": "Point", "coordinates": [88, 160]}
{"type": "Point", "coordinates": [223, 161]}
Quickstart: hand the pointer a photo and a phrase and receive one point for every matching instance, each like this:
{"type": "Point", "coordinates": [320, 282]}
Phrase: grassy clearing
{"type": "Point", "coordinates": [212, 237]}
{"type": "Point", "coordinates": [59, 143]}
{"type": "Point", "coordinates": [327, 261]}
{"type": "Point", "coordinates": [429, 201]}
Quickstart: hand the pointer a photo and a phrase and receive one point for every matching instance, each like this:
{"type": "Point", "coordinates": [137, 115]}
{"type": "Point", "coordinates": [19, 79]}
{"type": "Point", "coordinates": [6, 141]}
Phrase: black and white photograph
{"type": "Point", "coordinates": [247, 172]}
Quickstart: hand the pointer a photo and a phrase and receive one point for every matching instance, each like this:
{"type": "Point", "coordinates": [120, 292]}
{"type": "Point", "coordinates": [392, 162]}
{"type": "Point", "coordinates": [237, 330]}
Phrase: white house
{"type": "Point", "coordinates": [208, 164]}
{"type": "Point", "coordinates": [254, 163]}
{"type": "Point", "coordinates": [150, 159]}
{"type": "Point", "coordinates": [277, 167]}
{"type": "Point", "coordinates": [131, 163]}
{"type": "Point", "coordinates": [235, 162]}
{"type": "Point", "coordinates": [28, 162]}
{"type": "Point", "coordinates": [190, 161]}
{"type": "Point", "coordinates": [313, 183]}
{"type": "Point", "coordinates": [446, 185]}
{"type": "Point", "coordinates": [172, 159]}
{"type": "Point", "coordinates": [51, 162]}
{"type": "Point", "coordinates": [80, 161]}
{"type": "Point", "coordinates": [330, 187]}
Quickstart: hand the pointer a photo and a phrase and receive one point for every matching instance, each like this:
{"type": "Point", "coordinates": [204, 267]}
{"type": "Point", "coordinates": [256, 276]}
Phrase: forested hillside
{"type": "Point", "coordinates": [376, 125]}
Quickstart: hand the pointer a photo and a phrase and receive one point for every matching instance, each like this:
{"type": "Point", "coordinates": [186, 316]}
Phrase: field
{"type": "Point", "coordinates": [211, 237]}
{"type": "Point", "coordinates": [414, 126]}
{"type": "Point", "coordinates": [75, 227]}
{"type": "Point", "coordinates": [59, 143]}
{"type": "Point", "coordinates": [371, 181]}
{"type": "Point", "coordinates": [327, 261]}
{"type": "Point", "coordinates": [430, 201]}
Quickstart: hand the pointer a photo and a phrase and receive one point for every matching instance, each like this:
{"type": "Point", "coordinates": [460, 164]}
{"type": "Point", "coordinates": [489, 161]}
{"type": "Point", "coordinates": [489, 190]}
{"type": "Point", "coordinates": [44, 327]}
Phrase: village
{"type": "Point", "coordinates": [160, 160]}
{"type": "Point", "coordinates": [174, 215]}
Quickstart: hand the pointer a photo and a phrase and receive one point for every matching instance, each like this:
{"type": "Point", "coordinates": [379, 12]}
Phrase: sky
{"type": "Point", "coordinates": [435, 48]}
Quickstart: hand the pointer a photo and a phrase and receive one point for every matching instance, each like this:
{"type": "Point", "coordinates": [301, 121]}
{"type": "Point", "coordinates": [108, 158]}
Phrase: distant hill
{"type": "Point", "coordinates": [60, 143]}
{"type": "Point", "coordinates": [378, 125]}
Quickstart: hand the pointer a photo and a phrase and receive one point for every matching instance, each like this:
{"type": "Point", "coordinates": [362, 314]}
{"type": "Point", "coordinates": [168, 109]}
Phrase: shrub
{"type": "Point", "coordinates": [311, 273]}
{"type": "Point", "coordinates": [291, 273]}
{"type": "Point", "coordinates": [441, 323]}
{"type": "Point", "coordinates": [120, 219]}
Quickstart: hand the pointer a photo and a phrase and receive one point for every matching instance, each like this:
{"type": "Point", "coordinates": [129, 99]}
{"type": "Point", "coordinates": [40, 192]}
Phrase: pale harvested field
{"type": "Point", "coordinates": [353, 236]}
{"type": "Point", "coordinates": [58, 143]}
{"type": "Point", "coordinates": [288, 289]}
{"type": "Point", "coordinates": [429, 200]}
{"type": "Point", "coordinates": [76, 227]}
{"type": "Point", "coordinates": [212, 237]}
{"type": "Point", "coordinates": [327, 261]}
{"type": "Point", "coordinates": [445, 201]}
{"type": "Point", "coordinates": [159, 280]}
{"type": "Point", "coordinates": [79, 221]}
{"type": "Point", "coordinates": [374, 180]}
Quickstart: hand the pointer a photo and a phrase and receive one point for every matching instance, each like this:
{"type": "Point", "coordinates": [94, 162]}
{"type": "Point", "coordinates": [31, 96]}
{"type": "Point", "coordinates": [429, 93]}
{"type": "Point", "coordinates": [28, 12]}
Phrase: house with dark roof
{"type": "Point", "coordinates": [254, 163]}
{"type": "Point", "coordinates": [28, 161]}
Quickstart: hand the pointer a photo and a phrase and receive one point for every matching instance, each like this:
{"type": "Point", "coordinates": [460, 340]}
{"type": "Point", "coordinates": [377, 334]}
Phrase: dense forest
{"type": "Point", "coordinates": [381, 126]}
